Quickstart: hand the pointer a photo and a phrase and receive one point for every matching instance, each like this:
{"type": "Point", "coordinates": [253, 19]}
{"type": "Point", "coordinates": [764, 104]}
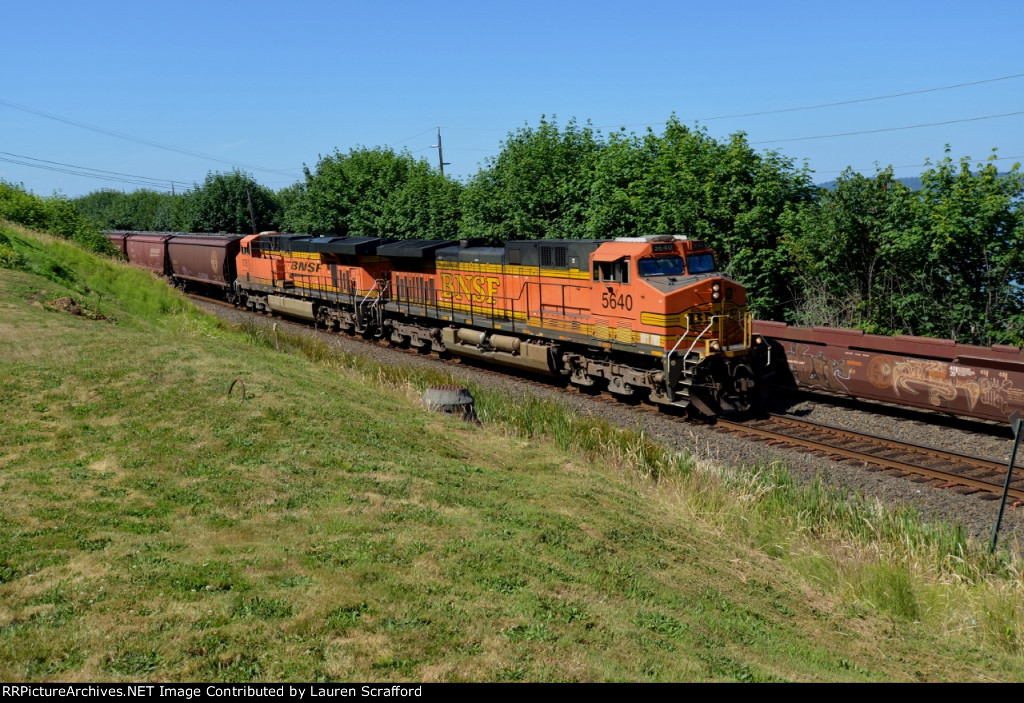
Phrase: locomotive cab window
{"type": "Point", "coordinates": [612, 271]}
{"type": "Point", "coordinates": [700, 263]}
{"type": "Point", "coordinates": [661, 266]}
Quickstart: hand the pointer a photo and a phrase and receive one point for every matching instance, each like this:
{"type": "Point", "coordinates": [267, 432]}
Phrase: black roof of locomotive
{"type": "Point", "coordinates": [577, 251]}
{"type": "Point", "coordinates": [473, 255]}
{"type": "Point", "coordinates": [412, 248]}
{"type": "Point", "coordinates": [356, 246]}
{"type": "Point", "coordinates": [533, 252]}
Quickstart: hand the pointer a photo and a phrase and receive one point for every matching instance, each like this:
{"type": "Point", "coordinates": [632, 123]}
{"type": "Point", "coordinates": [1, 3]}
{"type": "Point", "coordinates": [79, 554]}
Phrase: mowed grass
{"type": "Point", "coordinates": [327, 528]}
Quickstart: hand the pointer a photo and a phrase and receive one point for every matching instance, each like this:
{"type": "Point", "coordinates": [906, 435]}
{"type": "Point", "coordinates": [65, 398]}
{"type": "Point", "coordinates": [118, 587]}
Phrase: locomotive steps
{"type": "Point", "coordinates": [329, 527]}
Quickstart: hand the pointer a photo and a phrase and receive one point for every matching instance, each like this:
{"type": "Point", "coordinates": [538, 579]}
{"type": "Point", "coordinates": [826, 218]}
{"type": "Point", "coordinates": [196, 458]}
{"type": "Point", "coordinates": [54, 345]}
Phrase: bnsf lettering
{"type": "Point", "coordinates": [305, 266]}
{"type": "Point", "coordinates": [479, 290]}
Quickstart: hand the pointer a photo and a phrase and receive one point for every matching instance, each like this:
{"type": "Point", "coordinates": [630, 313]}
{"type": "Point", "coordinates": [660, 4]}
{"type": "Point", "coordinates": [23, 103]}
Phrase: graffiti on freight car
{"type": "Point", "coordinates": [942, 382]}
{"type": "Point", "coordinates": [818, 370]}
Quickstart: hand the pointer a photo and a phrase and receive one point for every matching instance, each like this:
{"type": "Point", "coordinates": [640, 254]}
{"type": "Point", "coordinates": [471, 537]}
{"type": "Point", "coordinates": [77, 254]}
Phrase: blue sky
{"type": "Point", "coordinates": [270, 86]}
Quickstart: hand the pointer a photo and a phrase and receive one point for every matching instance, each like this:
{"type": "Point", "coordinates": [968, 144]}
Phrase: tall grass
{"type": "Point", "coordinates": [527, 416]}
{"type": "Point", "coordinates": [883, 560]}
{"type": "Point", "coordinates": [98, 284]}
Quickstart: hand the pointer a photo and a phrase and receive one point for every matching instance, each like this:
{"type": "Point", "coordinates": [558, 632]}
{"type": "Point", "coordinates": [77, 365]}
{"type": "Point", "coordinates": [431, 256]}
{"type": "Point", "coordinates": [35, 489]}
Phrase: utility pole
{"type": "Point", "coordinates": [252, 213]}
{"type": "Point", "coordinates": [440, 155]}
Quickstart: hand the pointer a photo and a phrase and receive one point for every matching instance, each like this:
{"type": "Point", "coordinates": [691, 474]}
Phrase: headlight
{"type": "Point", "coordinates": [716, 291]}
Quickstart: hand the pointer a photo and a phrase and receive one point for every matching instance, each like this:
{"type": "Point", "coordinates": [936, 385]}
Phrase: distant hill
{"type": "Point", "coordinates": [912, 183]}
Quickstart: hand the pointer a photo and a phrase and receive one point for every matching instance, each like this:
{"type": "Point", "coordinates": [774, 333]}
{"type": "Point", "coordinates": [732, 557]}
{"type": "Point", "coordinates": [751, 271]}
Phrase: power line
{"type": "Point", "coordinates": [790, 109]}
{"type": "Point", "coordinates": [147, 142]}
{"type": "Point", "coordinates": [863, 100]}
{"type": "Point", "coordinates": [145, 180]}
{"type": "Point", "coordinates": [87, 172]}
{"type": "Point", "coordinates": [419, 134]}
{"type": "Point", "coordinates": [998, 158]}
{"type": "Point", "coordinates": [888, 129]}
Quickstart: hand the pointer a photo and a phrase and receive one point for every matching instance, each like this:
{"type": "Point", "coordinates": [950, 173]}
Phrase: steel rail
{"type": "Point", "coordinates": [884, 443]}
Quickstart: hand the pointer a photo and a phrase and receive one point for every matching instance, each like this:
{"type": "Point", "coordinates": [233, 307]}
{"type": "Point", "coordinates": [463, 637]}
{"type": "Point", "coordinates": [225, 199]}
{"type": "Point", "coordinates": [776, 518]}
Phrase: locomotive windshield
{"type": "Point", "coordinates": [700, 263]}
{"type": "Point", "coordinates": [661, 266]}
{"type": "Point", "coordinates": [673, 265]}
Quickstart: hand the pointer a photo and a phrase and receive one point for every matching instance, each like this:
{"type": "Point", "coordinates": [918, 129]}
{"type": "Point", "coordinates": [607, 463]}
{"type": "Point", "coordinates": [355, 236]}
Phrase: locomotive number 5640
{"type": "Point", "coordinates": [610, 300]}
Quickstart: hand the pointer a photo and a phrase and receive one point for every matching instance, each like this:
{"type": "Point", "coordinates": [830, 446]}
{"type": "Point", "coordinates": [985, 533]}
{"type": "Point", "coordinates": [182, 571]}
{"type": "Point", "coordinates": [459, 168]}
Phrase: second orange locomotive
{"type": "Point", "coordinates": [647, 316]}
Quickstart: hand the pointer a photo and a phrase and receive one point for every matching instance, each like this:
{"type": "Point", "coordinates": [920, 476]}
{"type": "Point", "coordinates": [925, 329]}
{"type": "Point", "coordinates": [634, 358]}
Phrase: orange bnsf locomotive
{"type": "Point", "coordinates": [646, 316]}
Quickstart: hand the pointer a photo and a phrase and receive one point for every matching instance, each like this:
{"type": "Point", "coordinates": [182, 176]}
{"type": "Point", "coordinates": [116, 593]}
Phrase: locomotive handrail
{"type": "Point", "coordinates": [668, 357]}
{"type": "Point", "coordinates": [697, 339]}
{"type": "Point", "coordinates": [680, 340]}
{"type": "Point", "coordinates": [367, 296]}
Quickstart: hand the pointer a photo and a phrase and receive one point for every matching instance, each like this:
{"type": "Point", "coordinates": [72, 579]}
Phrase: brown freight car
{"type": "Point", "coordinates": [118, 239]}
{"type": "Point", "coordinates": [936, 374]}
{"type": "Point", "coordinates": [148, 250]}
{"type": "Point", "coordinates": [206, 260]}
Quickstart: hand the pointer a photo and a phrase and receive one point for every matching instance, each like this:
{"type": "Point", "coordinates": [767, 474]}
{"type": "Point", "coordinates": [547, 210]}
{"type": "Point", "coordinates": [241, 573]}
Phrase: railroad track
{"type": "Point", "coordinates": [967, 475]}
{"type": "Point", "coordinates": [961, 472]}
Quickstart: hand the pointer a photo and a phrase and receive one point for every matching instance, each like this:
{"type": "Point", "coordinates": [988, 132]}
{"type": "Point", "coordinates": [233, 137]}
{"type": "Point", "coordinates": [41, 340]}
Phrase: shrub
{"type": "Point", "coordinates": [55, 215]}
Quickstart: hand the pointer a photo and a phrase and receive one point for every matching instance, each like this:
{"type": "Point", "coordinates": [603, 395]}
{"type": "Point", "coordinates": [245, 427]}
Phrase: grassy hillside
{"type": "Point", "coordinates": [152, 527]}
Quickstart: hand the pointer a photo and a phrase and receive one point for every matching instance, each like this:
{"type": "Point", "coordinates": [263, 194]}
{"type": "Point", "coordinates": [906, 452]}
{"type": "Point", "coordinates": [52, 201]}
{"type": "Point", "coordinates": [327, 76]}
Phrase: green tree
{"type": "Point", "coordinates": [103, 207]}
{"type": "Point", "coordinates": [374, 192]}
{"type": "Point", "coordinates": [141, 210]}
{"type": "Point", "coordinates": [974, 228]}
{"type": "Point", "coordinates": [291, 198]}
{"type": "Point", "coordinates": [222, 204]}
{"type": "Point", "coordinates": [425, 207]}
{"type": "Point", "coordinates": [854, 255]}
{"type": "Point", "coordinates": [537, 187]}
{"type": "Point", "coordinates": [685, 182]}
{"type": "Point", "coordinates": [943, 261]}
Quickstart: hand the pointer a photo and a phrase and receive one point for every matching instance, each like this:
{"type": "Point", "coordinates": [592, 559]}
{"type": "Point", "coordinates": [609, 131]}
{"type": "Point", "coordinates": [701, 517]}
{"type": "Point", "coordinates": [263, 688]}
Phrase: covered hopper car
{"type": "Point", "coordinates": [149, 251]}
{"type": "Point", "coordinates": [204, 262]}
